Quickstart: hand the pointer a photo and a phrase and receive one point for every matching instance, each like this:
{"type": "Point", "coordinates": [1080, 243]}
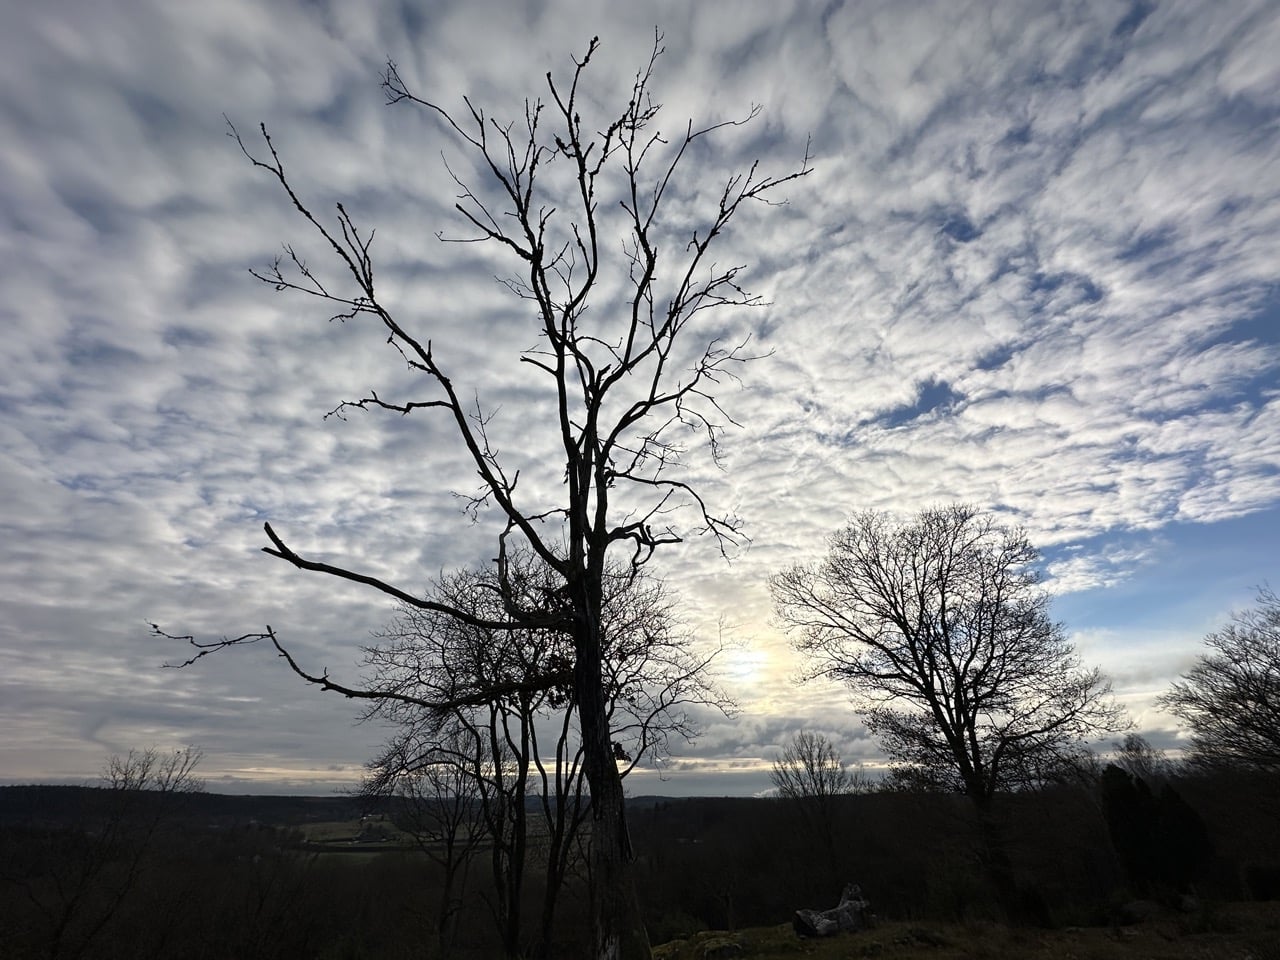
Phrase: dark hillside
{"type": "Point", "coordinates": [232, 876]}
{"type": "Point", "coordinates": [69, 805]}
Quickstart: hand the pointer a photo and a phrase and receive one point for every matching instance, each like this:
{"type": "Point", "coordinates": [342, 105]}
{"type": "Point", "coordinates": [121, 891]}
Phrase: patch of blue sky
{"type": "Point", "coordinates": [1137, 15]}
{"type": "Point", "coordinates": [932, 396]}
{"type": "Point", "coordinates": [1256, 383]}
{"type": "Point", "coordinates": [1017, 136]}
{"type": "Point", "coordinates": [1050, 283]}
{"type": "Point", "coordinates": [1261, 326]}
{"type": "Point", "coordinates": [959, 228]}
{"type": "Point", "coordinates": [1168, 578]}
{"type": "Point", "coordinates": [996, 358]}
{"type": "Point", "coordinates": [1147, 244]}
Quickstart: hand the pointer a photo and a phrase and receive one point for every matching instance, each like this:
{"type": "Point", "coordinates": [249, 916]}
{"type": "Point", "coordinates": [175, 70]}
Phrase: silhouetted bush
{"type": "Point", "coordinates": [1161, 841]}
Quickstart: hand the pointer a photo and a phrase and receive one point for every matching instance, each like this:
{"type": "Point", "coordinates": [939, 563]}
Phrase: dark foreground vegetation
{"type": "Point", "coordinates": [1116, 866]}
{"type": "Point", "coordinates": [1233, 932]}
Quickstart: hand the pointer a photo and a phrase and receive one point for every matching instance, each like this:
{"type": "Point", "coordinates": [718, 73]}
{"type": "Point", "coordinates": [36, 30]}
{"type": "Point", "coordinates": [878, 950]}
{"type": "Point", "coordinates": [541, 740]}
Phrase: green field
{"type": "Point", "coordinates": [355, 836]}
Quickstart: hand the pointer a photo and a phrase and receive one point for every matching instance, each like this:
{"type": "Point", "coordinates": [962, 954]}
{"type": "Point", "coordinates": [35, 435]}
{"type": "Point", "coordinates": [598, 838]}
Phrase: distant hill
{"type": "Point", "coordinates": [69, 805]}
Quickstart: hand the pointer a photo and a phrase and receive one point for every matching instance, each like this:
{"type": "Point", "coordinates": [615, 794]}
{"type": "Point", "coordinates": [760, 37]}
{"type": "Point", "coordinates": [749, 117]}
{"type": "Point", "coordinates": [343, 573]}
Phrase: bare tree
{"type": "Point", "coordinates": [1230, 698]}
{"type": "Point", "coordinates": [810, 775]}
{"type": "Point", "coordinates": [631, 384]}
{"type": "Point", "coordinates": [434, 797]}
{"type": "Point", "coordinates": [522, 748]}
{"type": "Point", "coordinates": [1138, 757]}
{"type": "Point", "coordinates": [810, 766]}
{"type": "Point", "coordinates": [941, 630]}
{"type": "Point", "coordinates": [87, 877]}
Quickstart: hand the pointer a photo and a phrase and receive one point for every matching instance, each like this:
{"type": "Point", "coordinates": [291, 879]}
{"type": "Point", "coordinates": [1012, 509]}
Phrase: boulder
{"type": "Point", "coordinates": [850, 914]}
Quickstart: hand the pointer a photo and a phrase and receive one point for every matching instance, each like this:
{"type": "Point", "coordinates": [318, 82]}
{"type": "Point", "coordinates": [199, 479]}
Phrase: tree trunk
{"type": "Point", "coordinates": [557, 850]}
{"type": "Point", "coordinates": [617, 929]}
{"type": "Point", "coordinates": [455, 878]}
{"type": "Point", "coordinates": [996, 861]}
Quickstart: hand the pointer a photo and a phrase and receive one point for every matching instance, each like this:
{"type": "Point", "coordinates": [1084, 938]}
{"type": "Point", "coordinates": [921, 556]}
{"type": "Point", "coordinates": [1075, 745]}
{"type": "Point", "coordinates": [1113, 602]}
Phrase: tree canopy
{"type": "Point", "coordinates": [940, 628]}
{"type": "Point", "coordinates": [1230, 698]}
{"type": "Point", "coordinates": [611, 236]}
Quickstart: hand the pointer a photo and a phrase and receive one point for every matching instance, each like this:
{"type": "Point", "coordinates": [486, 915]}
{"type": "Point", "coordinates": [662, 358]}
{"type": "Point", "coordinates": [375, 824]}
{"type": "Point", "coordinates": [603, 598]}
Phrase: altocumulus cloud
{"type": "Point", "coordinates": [1034, 269]}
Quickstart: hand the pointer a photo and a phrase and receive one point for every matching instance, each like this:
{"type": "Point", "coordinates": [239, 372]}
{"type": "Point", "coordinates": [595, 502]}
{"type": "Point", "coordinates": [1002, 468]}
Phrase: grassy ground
{"type": "Point", "coordinates": [330, 831]}
{"type": "Point", "coordinates": [354, 840]}
{"type": "Point", "coordinates": [1225, 932]}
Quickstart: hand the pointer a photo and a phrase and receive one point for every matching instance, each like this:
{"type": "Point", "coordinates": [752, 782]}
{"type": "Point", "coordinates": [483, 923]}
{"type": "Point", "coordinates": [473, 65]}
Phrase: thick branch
{"type": "Point", "coordinates": [476, 697]}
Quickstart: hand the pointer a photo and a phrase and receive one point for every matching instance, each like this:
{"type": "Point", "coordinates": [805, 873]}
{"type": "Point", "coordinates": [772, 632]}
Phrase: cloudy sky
{"type": "Point", "coordinates": [1034, 269]}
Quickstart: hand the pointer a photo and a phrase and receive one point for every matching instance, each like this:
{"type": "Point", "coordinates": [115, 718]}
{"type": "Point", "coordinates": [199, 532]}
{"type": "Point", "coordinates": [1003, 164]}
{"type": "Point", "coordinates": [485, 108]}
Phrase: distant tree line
{"type": "Point", "coordinates": [204, 877]}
